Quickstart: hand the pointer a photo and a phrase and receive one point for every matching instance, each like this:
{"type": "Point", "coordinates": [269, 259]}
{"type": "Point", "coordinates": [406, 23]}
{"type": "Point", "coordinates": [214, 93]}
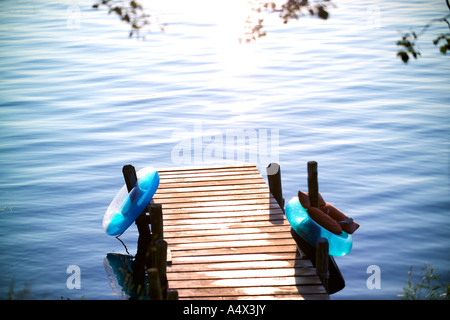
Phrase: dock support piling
{"type": "Point", "coordinates": [152, 249]}
{"type": "Point", "coordinates": [142, 258]}
{"type": "Point", "coordinates": [129, 174]}
{"type": "Point", "coordinates": [274, 179]}
{"type": "Point", "coordinates": [154, 284]}
{"type": "Point", "coordinates": [322, 258]}
{"type": "Point", "coordinates": [156, 221]}
{"type": "Point", "coordinates": [313, 184]}
{"type": "Point", "coordinates": [161, 264]}
{"type": "Point", "coordinates": [172, 295]}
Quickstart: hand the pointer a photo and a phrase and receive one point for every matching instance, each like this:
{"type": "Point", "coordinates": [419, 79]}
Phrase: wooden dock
{"type": "Point", "coordinates": [228, 237]}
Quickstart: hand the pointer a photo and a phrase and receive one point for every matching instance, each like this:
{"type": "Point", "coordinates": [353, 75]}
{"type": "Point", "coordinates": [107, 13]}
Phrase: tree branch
{"type": "Point", "coordinates": [133, 14]}
{"type": "Point", "coordinates": [408, 40]}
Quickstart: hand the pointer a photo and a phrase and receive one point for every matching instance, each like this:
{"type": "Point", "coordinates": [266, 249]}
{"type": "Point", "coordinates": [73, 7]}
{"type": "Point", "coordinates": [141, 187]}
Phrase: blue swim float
{"type": "Point", "coordinates": [310, 231]}
{"type": "Point", "coordinates": [126, 207]}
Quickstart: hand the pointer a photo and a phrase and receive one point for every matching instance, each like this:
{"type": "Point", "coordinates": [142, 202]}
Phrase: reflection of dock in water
{"type": "Point", "coordinates": [228, 238]}
{"type": "Point", "coordinates": [119, 272]}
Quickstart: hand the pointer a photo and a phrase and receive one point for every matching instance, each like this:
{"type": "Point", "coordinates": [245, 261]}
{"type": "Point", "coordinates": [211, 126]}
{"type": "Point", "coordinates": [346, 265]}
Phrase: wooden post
{"type": "Point", "coordinates": [161, 265]}
{"type": "Point", "coordinates": [129, 174]}
{"type": "Point", "coordinates": [313, 184]}
{"type": "Point", "coordinates": [143, 245]}
{"type": "Point", "coordinates": [154, 284]}
{"type": "Point", "coordinates": [172, 295]}
{"type": "Point", "coordinates": [274, 178]}
{"type": "Point", "coordinates": [322, 261]}
{"type": "Point", "coordinates": [156, 221]}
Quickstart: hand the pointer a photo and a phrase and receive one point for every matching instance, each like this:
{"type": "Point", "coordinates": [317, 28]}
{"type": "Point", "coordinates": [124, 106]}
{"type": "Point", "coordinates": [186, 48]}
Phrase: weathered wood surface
{"type": "Point", "coordinates": [228, 237]}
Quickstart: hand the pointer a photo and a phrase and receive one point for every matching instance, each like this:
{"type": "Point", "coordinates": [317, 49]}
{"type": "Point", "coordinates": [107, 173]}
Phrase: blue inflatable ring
{"type": "Point", "coordinates": [126, 207]}
{"type": "Point", "coordinates": [310, 231]}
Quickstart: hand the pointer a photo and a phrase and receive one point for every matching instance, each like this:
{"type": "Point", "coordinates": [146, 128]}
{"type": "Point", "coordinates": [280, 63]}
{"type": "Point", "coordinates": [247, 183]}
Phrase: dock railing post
{"type": "Point", "coordinates": [313, 184]}
{"type": "Point", "coordinates": [152, 248]}
{"type": "Point", "coordinates": [154, 284]}
{"type": "Point", "coordinates": [326, 267]}
{"type": "Point", "coordinates": [142, 258]}
{"type": "Point", "coordinates": [161, 265]}
{"type": "Point", "coordinates": [156, 222]}
{"type": "Point", "coordinates": [274, 179]}
{"type": "Point", "coordinates": [159, 254]}
{"type": "Point", "coordinates": [129, 174]}
{"type": "Point", "coordinates": [157, 229]}
{"type": "Point", "coordinates": [322, 261]}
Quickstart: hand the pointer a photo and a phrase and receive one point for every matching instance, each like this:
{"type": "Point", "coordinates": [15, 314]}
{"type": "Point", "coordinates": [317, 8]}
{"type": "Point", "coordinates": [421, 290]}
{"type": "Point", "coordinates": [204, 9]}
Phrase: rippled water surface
{"type": "Point", "coordinates": [79, 99]}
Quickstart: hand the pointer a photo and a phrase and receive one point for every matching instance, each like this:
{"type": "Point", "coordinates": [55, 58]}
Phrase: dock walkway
{"type": "Point", "coordinates": [228, 237]}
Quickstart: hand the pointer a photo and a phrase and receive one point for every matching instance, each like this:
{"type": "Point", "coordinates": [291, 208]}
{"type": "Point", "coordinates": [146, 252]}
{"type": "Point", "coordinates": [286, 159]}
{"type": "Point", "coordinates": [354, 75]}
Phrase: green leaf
{"type": "Point", "coordinates": [117, 10]}
{"type": "Point", "coordinates": [322, 13]}
{"type": "Point", "coordinates": [135, 5]}
{"type": "Point", "coordinates": [436, 288]}
{"type": "Point", "coordinates": [126, 18]}
{"type": "Point", "coordinates": [403, 55]}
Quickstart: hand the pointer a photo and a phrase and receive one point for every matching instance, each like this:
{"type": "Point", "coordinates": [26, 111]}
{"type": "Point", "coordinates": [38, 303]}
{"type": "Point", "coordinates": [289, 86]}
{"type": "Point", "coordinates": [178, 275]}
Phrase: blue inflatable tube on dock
{"type": "Point", "coordinates": [126, 207]}
{"type": "Point", "coordinates": [310, 231]}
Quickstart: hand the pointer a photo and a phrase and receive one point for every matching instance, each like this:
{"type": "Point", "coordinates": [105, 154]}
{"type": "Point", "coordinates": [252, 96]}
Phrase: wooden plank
{"type": "Point", "coordinates": [234, 250]}
{"type": "Point", "coordinates": [245, 282]}
{"type": "Point", "coordinates": [212, 183]}
{"type": "Point", "coordinates": [237, 178]}
{"type": "Point", "coordinates": [207, 172]}
{"type": "Point", "coordinates": [225, 238]}
{"type": "Point", "coordinates": [227, 191]}
{"type": "Point", "coordinates": [221, 203]}
{"type": "Point", "coordinates": [174, 215]}
{"type": "Point", "coordinates": [268, 290]}
{"type": "Point", "coordinates": [218, 167]}
{"type": "Point", "coordinates": [234, 258]}
{"type": "Point", "coordinates": [228, 208]}
{"type": "Point", "coordinates": [203, 178]}
{"type": "Point", "coordinates": [206, 224]}
{"type": "Point", "coordinates": [233, 231]}
{"type": "Point", "coordinates": [223, 196]}
{"type": "Point", "coordinates": [239, 274]}
{"type": "Point", "coordinates": [178, 189]}
{"type": "Point", "coordinates": [214, 175]}
{"type": "Point", "coordinates": [233, 244]}
{"type": "Point", "coordinates": [274, 218]}
{"type": "Point", "coordinates": [240, 265]}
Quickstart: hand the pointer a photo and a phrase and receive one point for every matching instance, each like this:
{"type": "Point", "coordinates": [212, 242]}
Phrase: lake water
{"type": "Point", "coordinates": [79, 99]}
